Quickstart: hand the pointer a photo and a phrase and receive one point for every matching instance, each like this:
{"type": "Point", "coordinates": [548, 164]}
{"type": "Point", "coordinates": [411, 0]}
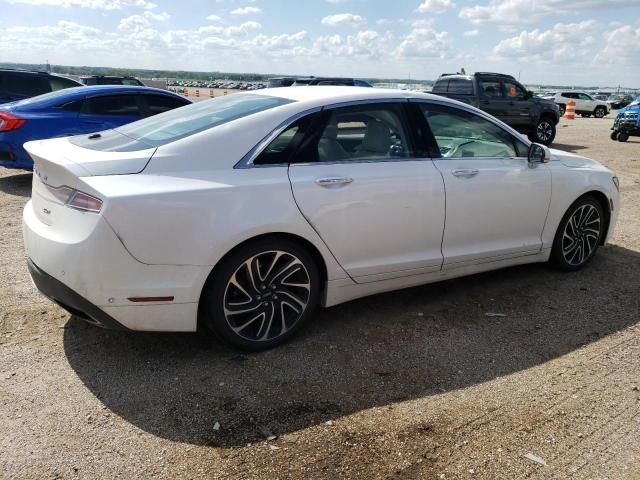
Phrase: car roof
{"type": "Point", "coordinates": [317, 95]}
{"type": "Point", "coordinates": [76, 93]}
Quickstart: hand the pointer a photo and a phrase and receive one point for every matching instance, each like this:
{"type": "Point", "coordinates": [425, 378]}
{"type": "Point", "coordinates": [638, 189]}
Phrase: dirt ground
{"type": "Point", "coordinates": [416, 384]}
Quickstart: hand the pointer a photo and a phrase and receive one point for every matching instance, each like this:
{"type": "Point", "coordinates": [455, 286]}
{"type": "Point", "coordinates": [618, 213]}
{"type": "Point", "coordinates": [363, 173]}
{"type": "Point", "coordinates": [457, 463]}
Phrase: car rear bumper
{"type": "Point", "coordinates": [71, 301]}
{"type": "Point", "coordinates": [89, 272]}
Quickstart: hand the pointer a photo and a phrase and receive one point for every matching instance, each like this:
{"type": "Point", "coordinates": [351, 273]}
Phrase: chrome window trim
{"type": "Point", "coordinates": [366, 160]}
{"type": "Point", "coordinates": [247, 160]}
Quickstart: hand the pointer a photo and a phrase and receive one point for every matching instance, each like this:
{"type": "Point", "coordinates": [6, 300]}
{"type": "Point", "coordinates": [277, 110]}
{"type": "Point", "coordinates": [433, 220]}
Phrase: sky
{"type": "Point", "coordinates": [562, 42]}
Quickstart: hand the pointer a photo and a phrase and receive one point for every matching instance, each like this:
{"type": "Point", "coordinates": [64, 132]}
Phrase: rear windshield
{"type": "Point", "coordinates": [185, 121]}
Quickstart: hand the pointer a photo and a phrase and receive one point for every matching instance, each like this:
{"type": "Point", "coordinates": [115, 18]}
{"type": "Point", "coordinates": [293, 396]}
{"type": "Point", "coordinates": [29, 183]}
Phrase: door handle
{"type": "Point", "coordinates": [465, 173]}
{"type": "Point", "coordinates": [328, 182]}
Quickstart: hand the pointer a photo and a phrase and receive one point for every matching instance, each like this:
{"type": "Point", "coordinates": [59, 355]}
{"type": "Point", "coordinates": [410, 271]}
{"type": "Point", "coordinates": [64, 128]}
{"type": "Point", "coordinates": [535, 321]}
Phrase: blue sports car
{"type": "Point", "coordinates": [75, 111]}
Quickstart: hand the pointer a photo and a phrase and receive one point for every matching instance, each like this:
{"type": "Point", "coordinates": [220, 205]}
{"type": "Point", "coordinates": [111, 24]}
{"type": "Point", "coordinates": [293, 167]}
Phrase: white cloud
{"type": "Point", "coordinates": [91, 4]}
{"type": "Point", "coordinates": [365, 43]}
{"type": "Point", "coordinates": [246, 11]}
{"type": "Point", "coordinates": [471, 33]}
{"type": "Point", "coordinates": [343, 19]}
{"type": "Point", "coordinates": [563, 43]}
{"type": "Point", "coordinates": [214, 18]}
{"type": "Point", "coordinates": [435, 6]}
{"type": "Point", "coordinates": [621, 46]}
{"type": "Point", "coordinates": [509, 13]}
{"type": "Point", "coordinates": [423, 41]}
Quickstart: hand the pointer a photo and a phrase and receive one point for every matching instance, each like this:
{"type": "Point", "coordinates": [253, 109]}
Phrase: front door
{"type": "Point", "coordinates": [496, 203]}
{"type": "Point", "coordinates": [359, 183]}
{"type": "Point", "coordinates": [492, 99]}
{"type": "Point", "coordinates": [518, 104]}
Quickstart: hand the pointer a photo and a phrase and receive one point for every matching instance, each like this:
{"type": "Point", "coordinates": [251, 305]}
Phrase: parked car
{"type": "Point", "coordinates": [586, 105]}
{"type": "Point", "coordinates": [75, 111]}
{"type": "Point", "coordinates": [242, 213]}
{"type": "Point", "coordinates": [20, 84]}
{"type": "Point", "coordinates": [627, 122]}
{"type": "Point", "coordinates": [307, 81]}
{"type": "Point", "coordinates": [619, 101]}
{"type": "Point", "coordinates": [110, 80]}
{"type": "Point", "coordinates": [506, 99]}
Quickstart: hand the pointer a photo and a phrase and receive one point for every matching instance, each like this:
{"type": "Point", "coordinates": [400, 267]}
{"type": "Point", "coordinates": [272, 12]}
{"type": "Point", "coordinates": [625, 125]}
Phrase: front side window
{"type": "Point", "coordinates": [182, 122]}
{"type": "Point", "coordinates": [367, 132]}
{"type": "Point", "coordinates": [113, 105]}
{"type": "Point", "coordinates": [462, 134]}
{"type": "Point", "coordinates": [491, 88]}
{"type": "Point", "coordinates": [514, 91]}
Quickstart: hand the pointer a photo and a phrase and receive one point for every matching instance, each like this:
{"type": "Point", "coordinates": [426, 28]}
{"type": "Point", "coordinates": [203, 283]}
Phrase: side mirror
{"type": "Point", "coordinates": [538, 154]}
{"type": "Point", "coordinates": [528, 95]}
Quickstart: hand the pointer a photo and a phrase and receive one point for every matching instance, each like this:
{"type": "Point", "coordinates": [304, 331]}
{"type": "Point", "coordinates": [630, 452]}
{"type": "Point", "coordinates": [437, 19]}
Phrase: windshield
{"type": "Point", "coordinates": [186, 121]}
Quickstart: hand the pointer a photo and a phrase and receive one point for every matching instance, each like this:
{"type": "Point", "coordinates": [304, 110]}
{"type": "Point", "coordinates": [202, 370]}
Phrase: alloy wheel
{"type": "Point", "coordinates": [266, 295]}
{"type": "Point", "coordinates": [544, 131]}
{"type": "Point", "coordinates": [581, 234]}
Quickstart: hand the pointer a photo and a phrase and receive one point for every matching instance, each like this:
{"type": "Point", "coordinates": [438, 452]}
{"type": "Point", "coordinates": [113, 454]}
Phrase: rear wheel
{"type": "Point", "coordinates": [544, 132]}
{"type": "Point", "coordinates": [600, 112]}
{"type": "Point", "coordinates": [261, 294]}
{"type": "Point", "coordinates": [585, 115]}
{"type": "Point", "coordinates": [623, 137]}
{"type": "Point", "coordinates": [578, 235]}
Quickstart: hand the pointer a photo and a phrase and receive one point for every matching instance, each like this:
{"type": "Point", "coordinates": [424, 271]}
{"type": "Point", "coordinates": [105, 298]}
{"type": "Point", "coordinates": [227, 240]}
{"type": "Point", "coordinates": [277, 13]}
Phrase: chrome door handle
{"type": "Point", "coordinates": [465, 173]}
{"type": "Point", "coordinates": [328, 182]}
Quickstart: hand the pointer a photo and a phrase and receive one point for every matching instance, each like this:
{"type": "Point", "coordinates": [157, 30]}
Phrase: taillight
{"type": "Point", "coordinates": [73, 198]}
{"type": "Point", "coordinates": [9, 122]}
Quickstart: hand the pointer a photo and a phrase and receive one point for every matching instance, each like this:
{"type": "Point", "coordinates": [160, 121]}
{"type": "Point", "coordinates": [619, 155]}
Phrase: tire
{"type": "Point", "coordinates": [261, 294]}
{"type": "Point", "coordinates": [614, 135]}
{"type": "Point", "coordinates": [545, 131]}
{"type": "Point", "coordinates": [599, 112]}
{"type": "Point", "coordinates": [563, 109]}
{"type": "Point", "coordinates": [579, 234]}
{"type": "Point", "coordinates": [623, 137]}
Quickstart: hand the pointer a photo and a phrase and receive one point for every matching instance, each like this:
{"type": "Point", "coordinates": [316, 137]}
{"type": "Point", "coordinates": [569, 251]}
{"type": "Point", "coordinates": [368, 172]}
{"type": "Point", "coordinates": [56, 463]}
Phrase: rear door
{"type": "Point", "coordinates": [376, 201]}
{"type": "Point", "coordinates": [110, 111]}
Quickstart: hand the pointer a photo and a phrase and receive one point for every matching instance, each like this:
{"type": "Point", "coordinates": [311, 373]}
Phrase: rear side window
{"type": "Point", "coordinates": [440, 86]}
{"type": "Point", "coordinates": [491, 88]}
{"type": "Point", "coordinates": [182, 122]}
{"type": "Point", "coordinates": [25, 85]}
{"type": "Point", "coordinates": [131, 81]}
{"type": "Point", "coordinates": [59, 83]}
{"type": "Point", "coordinates": [113, 105]}
{"type": "Point", "coordinates": [460, 86]}
{"type": "Point", "coordinates": [161, 103]}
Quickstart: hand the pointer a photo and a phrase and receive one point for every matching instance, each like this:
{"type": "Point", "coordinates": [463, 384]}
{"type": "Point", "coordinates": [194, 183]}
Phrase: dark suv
{"type": "Point", "coordinates": [110, 80]}
{"type": "Point", "coordinates": [20, 84]}
{"type": "Point", "coordinates": [297, 81]}
{"type": "Point", "coordinates": [506, 99]}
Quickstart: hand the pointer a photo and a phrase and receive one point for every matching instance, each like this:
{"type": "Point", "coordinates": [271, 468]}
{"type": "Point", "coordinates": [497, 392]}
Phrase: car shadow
{"type": "Point", "coordinates": [568, 148]}
{"type": "Point", "coordinates": [18, 184]}
{"type": "Point", "coordinates": [371, 352]}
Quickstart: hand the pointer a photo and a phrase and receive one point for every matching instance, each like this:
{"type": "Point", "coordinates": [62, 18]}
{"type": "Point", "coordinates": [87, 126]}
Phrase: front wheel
{"type": "Point", "coordinates": [544, 132]}
{"type": "Point", "coordinates": [600, 112]}
{"type": "Point", "coordinates": [578, 235]}
{"type": "Point", "coordinates": [261, 294]}
{"type": "Point", "coordinates": [623, 137]}
{"type": "Point", "coordinates": [614, 135]}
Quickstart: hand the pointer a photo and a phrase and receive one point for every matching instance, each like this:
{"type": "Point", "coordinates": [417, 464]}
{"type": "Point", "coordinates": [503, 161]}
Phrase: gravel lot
{"type": "Point", "coordinates": [413, 384]}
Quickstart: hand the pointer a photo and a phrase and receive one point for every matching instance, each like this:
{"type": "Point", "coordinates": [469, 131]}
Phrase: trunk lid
{"type": "Point", "coordinates": [109, 154]}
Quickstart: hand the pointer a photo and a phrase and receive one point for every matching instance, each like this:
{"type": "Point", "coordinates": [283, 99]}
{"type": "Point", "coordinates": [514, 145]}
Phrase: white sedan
{"type": "Point", "coordinates": [242, 213]}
